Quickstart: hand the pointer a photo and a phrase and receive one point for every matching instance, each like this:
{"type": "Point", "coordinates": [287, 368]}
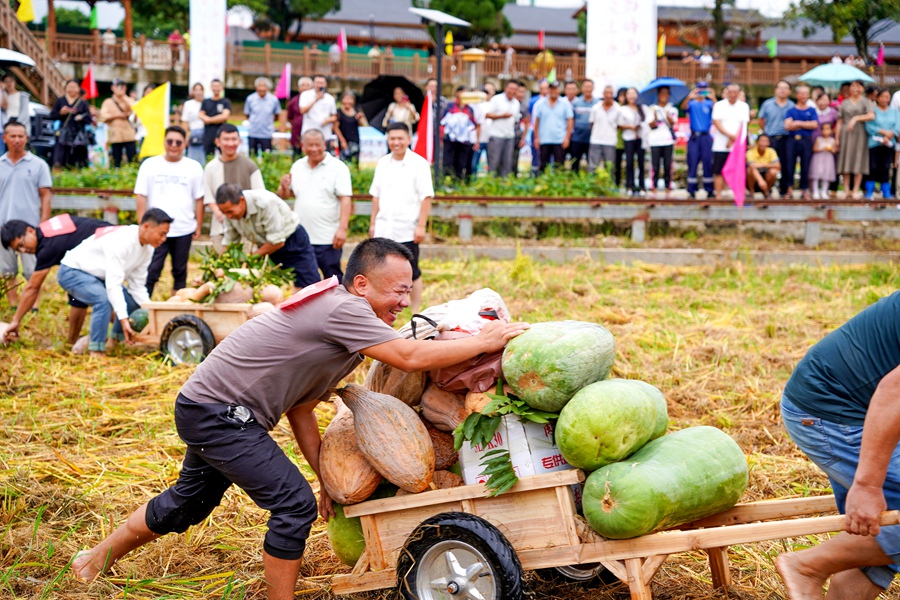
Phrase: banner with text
{"type": "Point", "coordinates": [621, 42]}
{"type": "Point", "coordinates": [207, 46]}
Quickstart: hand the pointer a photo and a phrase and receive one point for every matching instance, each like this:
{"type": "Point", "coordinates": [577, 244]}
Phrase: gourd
{"type": "Point", "coordinates": [239, 294]}
{"type": "Point", "coordinates": [444, 454]}
{"type": "Point", "coordinates": [346, 473]}
{"type": "Point", "coordinates": [406, 387]}
{"type": "Point", "coordinates": [443, 409]}
{"type": "Point", "coordinates": [271, 293]}
{"type": "Point", "coordinates": [392, 437]}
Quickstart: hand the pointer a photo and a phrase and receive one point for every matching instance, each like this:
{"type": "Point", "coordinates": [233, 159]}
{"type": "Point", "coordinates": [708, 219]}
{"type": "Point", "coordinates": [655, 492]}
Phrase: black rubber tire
{"type": "Point", "coordinates": [558, 575]}
{"type": "Point", "coordinates": [195, 324]}
{"type": "Point", "coordinates": [468, 529]}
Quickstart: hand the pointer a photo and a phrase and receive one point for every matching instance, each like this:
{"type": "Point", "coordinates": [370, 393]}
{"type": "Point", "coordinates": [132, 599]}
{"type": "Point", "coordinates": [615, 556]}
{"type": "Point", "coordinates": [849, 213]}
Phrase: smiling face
{"type": "Point", "coordinates": [174, 146]}
{"type": "Point", "coordinates": [386, 288]}
{"type": "Point", "coordinates": [216, 87]}
{"type": "Point", "coordinates": [228, 143]}
{"type": "Point", "coordinates": [398, 94]}
{"type": "Point", "coordinates": [883, 99]}
{"type": "Point", "coordinates": [234, 210]}
{"type": "Point", "coordinates": [197, 92]}
{"type": "Point", "coordinates": [398, 142]}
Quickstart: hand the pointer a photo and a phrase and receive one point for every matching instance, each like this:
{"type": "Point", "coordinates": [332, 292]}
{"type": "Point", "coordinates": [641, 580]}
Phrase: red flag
{"type": "Point", "coordinates": [735, 170]}
{"type": "Point", "coordinates": [89, 84]}
{"type": "Point", "coordinates": [425, 132]}
{"type": "Point", "coordinates": [541, 39]}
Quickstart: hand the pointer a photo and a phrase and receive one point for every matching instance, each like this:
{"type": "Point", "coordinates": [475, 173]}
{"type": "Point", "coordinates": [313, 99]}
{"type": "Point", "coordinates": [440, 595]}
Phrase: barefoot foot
{"type": "Point", "coordinates": [800, 584]}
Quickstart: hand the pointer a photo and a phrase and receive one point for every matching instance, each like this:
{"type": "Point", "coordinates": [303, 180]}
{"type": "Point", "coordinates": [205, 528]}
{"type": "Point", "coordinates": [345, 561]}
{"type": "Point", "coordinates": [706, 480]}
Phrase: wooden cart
{"type": "Point", "coordinates": [460, 543]}
{"type": "Point", "coordinates": [188, 331]}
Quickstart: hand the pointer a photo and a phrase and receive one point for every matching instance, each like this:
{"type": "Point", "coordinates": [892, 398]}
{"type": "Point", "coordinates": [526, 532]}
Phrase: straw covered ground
{"type": "Point", "coordinates": [83, 442]}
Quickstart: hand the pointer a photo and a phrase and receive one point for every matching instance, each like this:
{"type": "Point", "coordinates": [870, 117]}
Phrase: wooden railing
{"type": "Point", "coordinates": [755, 72]}
{"type": "Point", "coordinates": [45, 81]}
{"type": "Point", "coordinates": [140, 53]}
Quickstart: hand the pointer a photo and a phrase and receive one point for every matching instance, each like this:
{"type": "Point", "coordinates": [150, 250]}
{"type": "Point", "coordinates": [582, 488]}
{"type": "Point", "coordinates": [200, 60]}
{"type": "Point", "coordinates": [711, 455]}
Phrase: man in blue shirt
{"type": "Point", "coordinates": [801, 120]}
{"type": "Point", "coordinates": [581, 134]}
{"type": "Point", "coordinates": [261, 108]}
{"type": "Point", "coordinates": [553, 124]}
{"type": "Point", "coordinates": [841, 408]}
{"type": "Point", "coordinates": [771, 120]}
{"type": "Point", "coordinates": [699, 105]}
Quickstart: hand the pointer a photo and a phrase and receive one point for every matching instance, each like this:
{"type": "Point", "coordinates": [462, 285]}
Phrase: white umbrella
{"type": "Point", "coordinates": [239, 16]}
{"type": "Point", "coordinates": [10, 58]}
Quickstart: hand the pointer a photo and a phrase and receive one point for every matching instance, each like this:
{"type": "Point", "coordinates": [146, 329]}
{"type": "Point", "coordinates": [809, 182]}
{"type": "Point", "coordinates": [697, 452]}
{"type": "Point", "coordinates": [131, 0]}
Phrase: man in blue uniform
{"type": "Point", "coordinates": [699, 105]}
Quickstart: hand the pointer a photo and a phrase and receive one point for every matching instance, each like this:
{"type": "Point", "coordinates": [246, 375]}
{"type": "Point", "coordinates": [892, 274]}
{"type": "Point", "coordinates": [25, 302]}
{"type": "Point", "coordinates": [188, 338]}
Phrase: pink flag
{"type": "Point", "coordinates": [880, 60]}
{"type": "Point", "coordinates": [735, 169]}
{"type": "Point", "coordinates": [342, 40]}
{"type": "Point", "coordinates": [283, 90]}
{"type": "Point", "coordinates": [425, 131]}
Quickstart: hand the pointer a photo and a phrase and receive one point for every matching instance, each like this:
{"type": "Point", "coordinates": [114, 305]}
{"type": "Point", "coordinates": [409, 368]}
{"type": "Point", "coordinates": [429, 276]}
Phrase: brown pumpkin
{"type": "Point", "coordinates": [443, 480]}
{"type": "Point", "coordinates": [443, 409]}
{"type": "Point", "coordinates": [392, 437]}
{"type": "Point", "coordinates": [444, 454]}
{"type": "Point", "coordinates": [239, 294]}
{"type": "Point", "coordinates": [475, 401]}
{"type": "Point", "coordinates": [406, 387]}
{"type": "Point", "coordinates": [346, 474]}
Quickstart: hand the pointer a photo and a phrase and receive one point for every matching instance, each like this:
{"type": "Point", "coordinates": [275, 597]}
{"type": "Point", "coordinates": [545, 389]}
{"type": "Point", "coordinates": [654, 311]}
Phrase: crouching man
{"type": "Point", "coordinates": [108, 272]}
{"type": "Point", "coordinates": [283, 363]}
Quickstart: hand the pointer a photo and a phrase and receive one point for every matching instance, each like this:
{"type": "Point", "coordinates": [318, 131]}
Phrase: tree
{"type": "Point", "coordinates": [861, 19]}
{"type": "Point", "coordinates": [281, 14]}
{"type": "Point", "coordinates": [158, 19]}
{"type": "Point", "coordinates": [729, 27]}
{"type": "Point", "coordinates": [70, 18]}
{"type": "Point", "coordinates": [489, 24]}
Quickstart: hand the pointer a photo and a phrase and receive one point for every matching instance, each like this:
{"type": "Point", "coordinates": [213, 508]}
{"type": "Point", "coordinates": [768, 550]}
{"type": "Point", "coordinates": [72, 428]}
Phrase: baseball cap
{"type": "Point", "coordinates": [118, 82]}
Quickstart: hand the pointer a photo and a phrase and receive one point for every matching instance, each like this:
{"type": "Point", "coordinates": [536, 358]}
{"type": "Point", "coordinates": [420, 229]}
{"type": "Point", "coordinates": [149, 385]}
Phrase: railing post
{"type": "Point", "coordinates": [95, 43]}
{"type": "Point", "coordinates": [416, 67]}
{"type": "Point", "coordinates": [143, 41]}
{"type": "Point", "coordinates": [813, 233]}
{"type": "Point", "coordinates": [748, 75]}
{"type": "Point", "coordinates": [639, 228]}
{"type": "Point", "coordinates": [268, 48]}
{"type": "Point", "coordinates": [465, 227]}
{"type": "Point", "coordinates": [803, 67]}
{"type": "Point", "coordinates": [664, 66]}
{"type": "Point", "coordinates": [305, 60]}
{"type": "Point", "coordinates": [777, 64]}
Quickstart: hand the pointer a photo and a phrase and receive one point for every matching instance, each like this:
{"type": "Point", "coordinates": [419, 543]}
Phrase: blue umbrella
{"type": "Point", "coordinates": [677, 88]}
{"type": "Point", "coordinates": [834, 74]}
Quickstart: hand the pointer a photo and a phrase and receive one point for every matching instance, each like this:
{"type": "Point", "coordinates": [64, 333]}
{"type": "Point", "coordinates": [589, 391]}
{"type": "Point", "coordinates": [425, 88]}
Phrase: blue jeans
{"type": "Point", "coordinates": [835, 448]}
{"type": "Point", "coordinates": [90, 290]}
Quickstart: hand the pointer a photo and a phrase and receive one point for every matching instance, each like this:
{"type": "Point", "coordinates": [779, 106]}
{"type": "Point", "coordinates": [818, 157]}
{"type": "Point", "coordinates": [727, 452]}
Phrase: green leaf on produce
{"type": "Point", "coordinates": [499, 471]}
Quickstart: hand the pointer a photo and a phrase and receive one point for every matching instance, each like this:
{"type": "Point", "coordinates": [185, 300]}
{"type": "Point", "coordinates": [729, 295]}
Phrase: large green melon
{"type": "Point", "coordinates": [551, 361]}
{"type": "Point", "coordinates": [606, 422]}
{"type": "Point", "coordinates": [138, 319]}
{"type": "Point", "coordinates": [345, 533]}
{"type": "Point", "coordinates": [675, 479]}
{"type": "Point", "coordinates": [662, 423]}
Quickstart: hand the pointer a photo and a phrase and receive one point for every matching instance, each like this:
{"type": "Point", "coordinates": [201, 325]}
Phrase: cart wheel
{"type": "Point", "coordinates": [458, 555]}
{"type": "Point", "coordinates": [587, 574]}
{"type": "Point", "coordinates": [186, 339]}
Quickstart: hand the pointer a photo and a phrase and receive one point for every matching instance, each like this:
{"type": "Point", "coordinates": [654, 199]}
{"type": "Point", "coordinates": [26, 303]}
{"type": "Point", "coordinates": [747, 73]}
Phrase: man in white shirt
{"type": "Point", "coordinates": [173, 183]}
{"type": "Point", "coordinates": [319, 109]}
{"type": "Point", "coordinates": [402, 191]}
{"type": "Point", "coordinates": [604, 131]}
{"type": "Point", "coordinates": [95, 271]}
{"type": "Point", "coordinates": [481, 109]}
{"type": "Point", "coordinates": [321, 185]}
{"type": "Point", "coordinates": [729, 116]}
{"type": "Point", "coordinates": [504, 111]}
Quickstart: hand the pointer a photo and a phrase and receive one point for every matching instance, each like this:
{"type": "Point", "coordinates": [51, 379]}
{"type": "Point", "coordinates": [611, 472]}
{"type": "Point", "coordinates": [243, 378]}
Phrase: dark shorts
{"type": "Point", "coordinates": [75, 302]}
{"type": "Point", "coordinates": [719, 159]}
{"type": "Point", "coordinates": [259, 145]}
{"type": "Point", "coordinates": [329, 260]}
{"type": "Point", "coordinates": [297, 254]}
{"type": "Point", "coordinates": [414, 248]}
{"type": "Point", "coordinates": [225, 446]}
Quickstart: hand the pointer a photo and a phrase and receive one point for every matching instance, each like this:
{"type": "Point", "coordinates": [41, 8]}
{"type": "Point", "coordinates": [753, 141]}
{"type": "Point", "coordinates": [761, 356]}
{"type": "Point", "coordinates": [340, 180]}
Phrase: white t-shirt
{"type": "Point", "coordinates": [662, 135]}
{"type": "Point", "coordinates": [321, 110]}
{"type": "Point", "coordinates": [628, 116]}
{"type": "Point", "coordinates": [895, 100]}
{"type": "Point", "coordinates": [400, 187]}
{"type": "Point", "coordinates": [190, 114]}
{"type": "Point", "coordinates": [731, 116]}
{"type": "Point", "coordinates": [480, 110]}
{"type": "Point", "coordinates": [173, 187]}
{"type": "Point", "coordinates": [604, 124]}
{"type": "Point", "coordinates": [501, 105]}
{"type": "Point", "coordinates": [317, 192]}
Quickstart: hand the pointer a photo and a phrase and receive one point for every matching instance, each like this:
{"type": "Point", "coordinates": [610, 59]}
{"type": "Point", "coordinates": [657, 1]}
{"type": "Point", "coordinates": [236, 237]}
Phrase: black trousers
{"type": "Point", "coordinates": [329, 260]}
{"type": "Point", "coordinates": [634, 151]}
{"type": "Point", "coordinates": [617, 167]}
{"type": "Point", "coordinates": [880, 160]}
{"type": "Point", "coordinates": [259, 145]}
{"type": "Point", "coordinates": [799, 147]}
{"type": "Point", "coordinates": [457, 159]}
{"type": "Point", "coordinates": [780, 146]}
{"type": "Point", "coordinates": [129, 148]}
{"type": "Point", "coordinates": [180, 249]}
{"type": "Point", "coordinates": [661, 162]}
{"type": "Point", "coordinates": [298, 254]}
{"type": "Point", "coordinates": [551, 153]}
{"type": "Point", "coordinates": [578, 150]}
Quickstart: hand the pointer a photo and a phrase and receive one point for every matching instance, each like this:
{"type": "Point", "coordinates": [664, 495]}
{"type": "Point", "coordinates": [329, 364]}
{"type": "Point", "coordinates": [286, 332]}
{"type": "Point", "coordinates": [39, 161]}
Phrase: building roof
{"type": "Point", "coordinates": [686, 14]}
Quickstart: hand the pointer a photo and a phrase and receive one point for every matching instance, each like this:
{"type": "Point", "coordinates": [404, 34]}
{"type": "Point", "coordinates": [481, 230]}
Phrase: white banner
{"type": "Point", "coordinates": [207, 42]}
{"type": "Point", "coordinates": [621, 42]}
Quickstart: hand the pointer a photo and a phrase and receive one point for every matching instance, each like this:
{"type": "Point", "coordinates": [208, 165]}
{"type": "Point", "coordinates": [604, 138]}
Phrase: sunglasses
{"type": "Point", "coordinates": [175, 143]}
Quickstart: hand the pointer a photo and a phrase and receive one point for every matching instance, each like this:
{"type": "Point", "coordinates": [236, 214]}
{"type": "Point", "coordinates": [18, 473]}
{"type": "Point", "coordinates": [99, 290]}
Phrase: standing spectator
{"type": "Point", "coordinates": [504, 111]}
{"type": "Point", "coordinates": [523, 124]}
{"type": "Point", "coordinates": [321, 185]}
{"type": "Point", "coordinates": [730, 115]}
{"type": "Point", "coordinates": [115, 112]}
{"type": "Point", "coordinates": [699, 105]}
{"type": "Point", "coordinates": [543, 92]}
{"type": "Point", "coordinates": [334, 57]}
{"type": "Point", "coordinates": [853, 141]}
{"type": "Point", "coordinates": [15, 110]}
{"type": "Point", "coordinates": [882, 132]}
{"type": "Point", "coordinates": [174, 183]}
{"type": "Point", "coordinates": [801, 121]}
{"type": "Point", "coordinates": [762, 166]}
{"type": "Point", "coordinates": [319, 109]}
{"type": "Point", "coordinates": [294, 116]}
{"type": "Point", "coordinates": [661, 117]}
{"type": "Point", "coordinates": [349, 121]}
{"type": "Point", "coordinates": [72, 139]}
{"type": "Point", "coordinates": [828, 114]}
{"type": "Point", "coordinates": [821, 168]}
{"type": "Point", "coordinates": [401, 110]}
{"type": "Point", "coordinates": [631, 120]}
{"type": "Point", "coordinates": [481, 109]}
{"type": "Point", "coordinates": [261, 109]}
{"type": "Point", "coordinates": [438, 102]}
{"type": "Point", "coordinates": [176, 41]}
{"type": "Point", "coordinates": [570, 91]}
{"type": "Point", "coordinates": [706, 59]}
{"type": "Point", "coordinates": [228, 167]}
{"type": "Point", "coordinates": [109, 46]}
{"type": "Point", "coordinates": [460, 128]}
{"type": "Point", "coordinates": [266, 221]}
{"type": "Point", "coordinates": [581, 133]}
{"type": "Point", "coordinates": [214, 111]}
{"type": "Point", "coordinates": [25, 184]}
{"type": "Point", "coordinates": [553, 124]}
{"type": "Point", "coordinates": [604, 120]}
{"type": "Point", "coordinates": [402, 192]}
{"type": "Point", "coordinates": [190, 122]}
{"type": "Point", "coordinates": [510, 54]}
{"type": "Point", "coordinates": [374, 55]}
{"type": "Point", "coordinates": [836, 59]}
{"type": "Point", "coordinates": [771, 120]}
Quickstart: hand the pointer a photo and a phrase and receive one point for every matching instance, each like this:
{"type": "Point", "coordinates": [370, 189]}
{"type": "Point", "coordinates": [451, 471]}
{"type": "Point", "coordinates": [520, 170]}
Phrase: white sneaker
{"type": "Point", "coordinates": [816, 195]}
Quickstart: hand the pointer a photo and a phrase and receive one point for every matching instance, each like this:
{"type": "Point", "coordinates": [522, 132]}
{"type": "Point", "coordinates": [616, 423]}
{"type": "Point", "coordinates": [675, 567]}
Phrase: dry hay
{"type": "Point", "coordinates": [84, 441]}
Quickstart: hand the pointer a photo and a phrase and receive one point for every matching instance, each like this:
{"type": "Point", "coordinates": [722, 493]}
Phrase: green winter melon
{"type": "Point", "coordinates": [675, 479]}
{"type": "Point", "coordinates": [345, 533]}
{"type": "Point", "coordinates": [138, 319]}
{"type": "Point", "coordinates": [607, 421]}
{"type": "Point", "coordinates": [551, 361]}
{"type": "Point", "coordinates": [662, 423]}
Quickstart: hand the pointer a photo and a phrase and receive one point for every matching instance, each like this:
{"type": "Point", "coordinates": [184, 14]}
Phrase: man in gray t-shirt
{"type": "Point", "coordinates": [283, 363]}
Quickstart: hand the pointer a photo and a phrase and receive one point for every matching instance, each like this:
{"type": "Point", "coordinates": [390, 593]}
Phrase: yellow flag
{"type": "Point", "coordinates": [153, 111]}
{"type": "Point", "coordinates": [448, 41]}
{"type": "Point", "coordinates": [25, 14]}
{"type": "Point", "coordinates": [661, 46]}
